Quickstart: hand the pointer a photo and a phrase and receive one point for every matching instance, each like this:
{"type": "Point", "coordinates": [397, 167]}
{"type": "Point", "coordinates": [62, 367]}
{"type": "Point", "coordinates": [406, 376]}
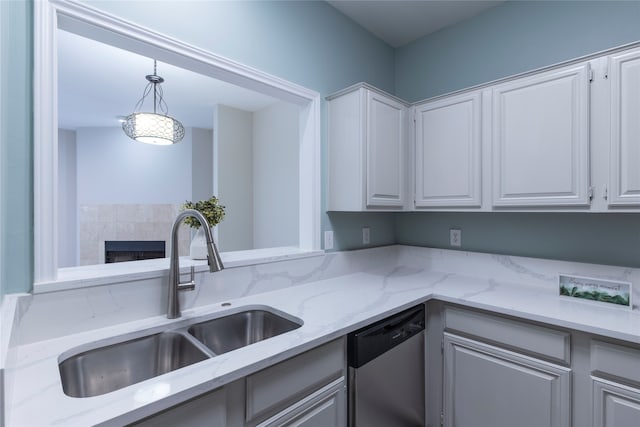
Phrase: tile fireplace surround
{"type": "Point", "coordinates": [99, 223]}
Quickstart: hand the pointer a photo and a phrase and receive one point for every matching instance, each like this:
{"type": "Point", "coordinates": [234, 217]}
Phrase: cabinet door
{"type": "Point", "coordinates": [278, 386]}
{"type": "Point", "coordinates": [615, 405]}
{"type": "Point", "coordinates": [486, 386]}
{"type": "Point", "coordinates": [541, 139]}
{"type": "Point", "coordinates": [206, 410]}
{"type": "Point", "coordinates": [448, 152]}
{"type": "Point", "coordinates": [624, 173]}
{"type": "Point", "coordinates": [385, 151]}
{"type": "Point", "coordinates": [325, 408]}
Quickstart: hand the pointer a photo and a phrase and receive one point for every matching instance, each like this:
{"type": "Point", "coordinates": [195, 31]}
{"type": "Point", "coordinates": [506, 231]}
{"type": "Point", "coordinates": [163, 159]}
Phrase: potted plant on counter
{"type": "Point", "coordinates": [213, 211]}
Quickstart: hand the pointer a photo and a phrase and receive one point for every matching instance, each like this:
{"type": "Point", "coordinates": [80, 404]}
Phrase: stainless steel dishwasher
{"type": "Point", "coordinates": [386, 372]}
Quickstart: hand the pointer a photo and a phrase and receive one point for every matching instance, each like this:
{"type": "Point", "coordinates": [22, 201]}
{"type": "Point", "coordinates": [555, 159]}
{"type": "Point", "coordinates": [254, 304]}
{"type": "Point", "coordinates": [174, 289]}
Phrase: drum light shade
{"type": "Point", "coordinates": [153, 128]}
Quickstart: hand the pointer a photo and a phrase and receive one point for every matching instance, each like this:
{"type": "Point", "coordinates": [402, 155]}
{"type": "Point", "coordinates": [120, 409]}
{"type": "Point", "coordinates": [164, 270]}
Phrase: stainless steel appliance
{"type": "Point", "coordinates": [386, 372]}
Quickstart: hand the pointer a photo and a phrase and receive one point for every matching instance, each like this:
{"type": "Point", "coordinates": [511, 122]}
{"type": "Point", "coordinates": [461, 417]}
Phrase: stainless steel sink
{"type": "Point", "coordinates": [112, 367]}
{"type": "Point", "coordinates": [241, 329]}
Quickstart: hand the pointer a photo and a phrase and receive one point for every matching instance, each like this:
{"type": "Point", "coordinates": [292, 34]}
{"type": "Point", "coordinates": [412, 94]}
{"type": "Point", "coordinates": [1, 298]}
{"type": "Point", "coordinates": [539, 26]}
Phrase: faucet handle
{"type": "Point", "coordinates": [191, 284]}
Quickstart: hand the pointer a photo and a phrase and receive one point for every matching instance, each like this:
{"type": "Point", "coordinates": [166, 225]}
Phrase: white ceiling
{"type": "Point", "coordinates": [399, 22]}
{"type": "Point", "coordinates": [97, 83]}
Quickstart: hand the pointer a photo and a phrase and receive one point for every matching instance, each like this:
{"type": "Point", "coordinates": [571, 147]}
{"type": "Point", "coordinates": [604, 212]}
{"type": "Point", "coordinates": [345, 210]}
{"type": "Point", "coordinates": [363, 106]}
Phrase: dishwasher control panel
{"type": "Point", "coordinates": [371, 341]}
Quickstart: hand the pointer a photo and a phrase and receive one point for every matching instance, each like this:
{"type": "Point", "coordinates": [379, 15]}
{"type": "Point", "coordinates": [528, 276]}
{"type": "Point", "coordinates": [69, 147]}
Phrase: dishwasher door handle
{"type": "Point", "coordinates": [398, 334]}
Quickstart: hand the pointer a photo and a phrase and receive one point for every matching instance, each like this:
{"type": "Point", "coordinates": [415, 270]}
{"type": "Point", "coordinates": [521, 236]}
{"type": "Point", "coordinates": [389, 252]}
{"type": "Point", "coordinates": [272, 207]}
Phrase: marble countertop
{"type": "Point", "coordinates": [329, 309]}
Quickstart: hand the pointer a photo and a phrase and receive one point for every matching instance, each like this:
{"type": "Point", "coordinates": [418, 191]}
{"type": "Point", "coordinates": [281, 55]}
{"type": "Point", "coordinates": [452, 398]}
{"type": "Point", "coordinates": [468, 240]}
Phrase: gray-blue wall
{"type": "Point", "coordinates": [512, 38]}
{"type": "Point", "coordinates": [16, 196]}
{"type": "Point", "coordinates": [506, 40]}
{"type": "Point", "coordinates": [312, 44]}
{"type": "Point", "coordinates": [307, 42]}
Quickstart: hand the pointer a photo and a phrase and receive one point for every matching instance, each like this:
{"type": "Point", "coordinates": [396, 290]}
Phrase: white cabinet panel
{"type": "Point", "coordinates": [276, 387]}
{"type": "Point", "coordinates": [520, 336]}
{"type": "Point", "coordinates": [486, 386]}
{"type": "Point", "coordinates": [366, 151]}
{"type": "Point", "coordinates": [325, 408]}
{"type": "Point", "coordinates": [448, 152]}
{"type": "Point", "coordinates": [624, 173]}
{"type": "Point", "coordinates": [615, 405]}
{"type": "Point", "coordinates": [206, 410]}
{"type": "Point", "coordinates": [385, 156]}
{"type": "Point", "coordinates": [541, 139]}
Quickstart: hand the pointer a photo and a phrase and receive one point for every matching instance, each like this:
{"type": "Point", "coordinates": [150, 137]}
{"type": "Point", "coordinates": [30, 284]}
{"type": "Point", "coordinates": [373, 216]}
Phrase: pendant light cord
{"type": "Point", "coordinates": [158, 95]}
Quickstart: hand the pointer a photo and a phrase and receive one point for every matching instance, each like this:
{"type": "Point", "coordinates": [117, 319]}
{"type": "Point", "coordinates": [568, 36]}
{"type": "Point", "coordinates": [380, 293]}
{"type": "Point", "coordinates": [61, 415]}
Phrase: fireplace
{"type": "Point", "coordinates": [133, 250]}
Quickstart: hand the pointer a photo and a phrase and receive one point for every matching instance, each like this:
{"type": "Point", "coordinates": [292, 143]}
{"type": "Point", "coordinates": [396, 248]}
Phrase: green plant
{"type": "Point", "coordinates": [212, 210]}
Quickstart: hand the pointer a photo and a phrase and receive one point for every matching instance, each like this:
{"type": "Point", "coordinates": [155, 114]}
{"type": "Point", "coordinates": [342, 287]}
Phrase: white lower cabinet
{"type": "Point", "coordinates": [614, 404]}
{"type": "Point", "coordinates": [500, 371]}
{"type": "Point", "coordinates": [209, 409]}
{"type": "Point", "coordinates": [295, 385]}
{"type": "Point", "coordinates": [306, 390]}
{"type": "Point", "coordinates": [485, 385]}
{"type": "Point", "coordinates": [325, 408]}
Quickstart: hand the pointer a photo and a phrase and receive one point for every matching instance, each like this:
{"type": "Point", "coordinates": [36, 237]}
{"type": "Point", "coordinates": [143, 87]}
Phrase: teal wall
{"type": "Point", "coordinates": [307, 42]}
{"type": "Point", "coordinates": [512, 38]}
{"type": "Point", "coordinates": [612, 239]}
{"type": "Point", "coordinates": [310, 43]}
{"type": "Point", "coordinates": [16, 171]}
{"type": "Point", "coordinates": [506, 40]}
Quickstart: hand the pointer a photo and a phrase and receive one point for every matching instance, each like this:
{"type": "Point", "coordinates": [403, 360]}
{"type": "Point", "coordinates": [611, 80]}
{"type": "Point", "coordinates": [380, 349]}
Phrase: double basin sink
{"type": "Point", "coordinates": [111, 367]}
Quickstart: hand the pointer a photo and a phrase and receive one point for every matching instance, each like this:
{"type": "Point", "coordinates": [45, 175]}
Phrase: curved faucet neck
{"type": "Point", "coordinates": [213, 257]}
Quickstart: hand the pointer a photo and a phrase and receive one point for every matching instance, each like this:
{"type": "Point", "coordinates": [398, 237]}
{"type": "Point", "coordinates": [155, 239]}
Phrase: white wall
{"type": "Point", "coordinates": [67, 199]}
{"type": "Point", "coordinates": [201, 164]}
{"type": "Point", "coordinates": [233, 177]}
{"type": "Point", "coordinates": [112, 168]}
{"type": "Point", "coordinates": [113, 188]}
{"type": "Point", "coordinates": [275, 176]}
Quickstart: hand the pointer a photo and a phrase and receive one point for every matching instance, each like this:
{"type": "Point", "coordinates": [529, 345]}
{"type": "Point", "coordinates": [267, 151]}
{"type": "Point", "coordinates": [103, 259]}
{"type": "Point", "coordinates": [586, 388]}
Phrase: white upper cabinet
{"type": "Point", "coordinates": [624, 170]}
{"type": "Point", "coordinates": [540, 139]}
{"type": "Point", "coordinates": [366, 151]}
{"type": "Point", "coordinates": [448, 159]}
{"type": "Point", "coordinates": [562, 139]}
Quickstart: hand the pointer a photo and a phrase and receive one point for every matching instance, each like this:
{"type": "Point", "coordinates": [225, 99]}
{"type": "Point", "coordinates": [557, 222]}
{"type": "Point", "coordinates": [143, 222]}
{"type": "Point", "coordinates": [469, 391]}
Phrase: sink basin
{"type": "Point", "coordinates": [241, 329]}
{"type": "Point", "coordinates": [112, 367]}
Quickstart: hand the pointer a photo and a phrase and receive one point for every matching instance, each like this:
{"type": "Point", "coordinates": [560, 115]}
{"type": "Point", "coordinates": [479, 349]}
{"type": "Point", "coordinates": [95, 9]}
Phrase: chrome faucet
{"type": "Point", "coordinates": [215, 263]}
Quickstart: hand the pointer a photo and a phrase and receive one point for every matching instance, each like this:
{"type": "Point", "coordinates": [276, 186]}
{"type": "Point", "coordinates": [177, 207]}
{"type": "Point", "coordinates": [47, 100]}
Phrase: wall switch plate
{"type": "Point", "coordinates": [455, 237]}
{"type": "Point", "coordinates": [328, 240]}
{"type": "Point", "coordinates": [366, 235]}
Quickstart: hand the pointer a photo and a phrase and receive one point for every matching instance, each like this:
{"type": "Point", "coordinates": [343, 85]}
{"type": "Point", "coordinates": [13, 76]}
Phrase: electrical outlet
{"type": "Point", "coordinates": [328, 240]}
{"type": "Point", "coordinates": [366, 235]}
{"type": "Point", "coordinates": [455, 237]}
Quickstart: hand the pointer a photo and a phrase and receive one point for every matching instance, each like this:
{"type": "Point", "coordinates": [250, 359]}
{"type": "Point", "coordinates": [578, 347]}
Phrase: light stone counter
{"type": "Point", "coordinates": [333, 295]}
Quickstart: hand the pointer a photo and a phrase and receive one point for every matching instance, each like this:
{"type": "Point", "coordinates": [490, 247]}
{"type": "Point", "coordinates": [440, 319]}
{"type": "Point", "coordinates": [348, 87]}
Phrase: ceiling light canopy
{"type": "Point", "coordinates": [153, 128]}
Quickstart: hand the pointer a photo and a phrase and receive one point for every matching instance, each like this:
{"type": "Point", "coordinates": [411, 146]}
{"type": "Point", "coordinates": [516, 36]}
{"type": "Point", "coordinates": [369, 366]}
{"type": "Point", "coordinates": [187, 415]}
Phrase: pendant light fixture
{"type": "Point", "coordinates": [153, 128]}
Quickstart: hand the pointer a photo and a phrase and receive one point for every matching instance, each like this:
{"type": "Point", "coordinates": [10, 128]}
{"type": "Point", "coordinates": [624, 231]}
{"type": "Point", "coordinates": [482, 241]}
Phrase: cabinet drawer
{"type": "Point", "coordinates": [515, 334]}
{"type": "Point", "coordinates": [278, 386]}
{"type": "Point", "coordinates": [325, 407]}
{"type": "Point", "coordinates": [612, 359]}
{"type": "Point", "coordinates": [208, 409]}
